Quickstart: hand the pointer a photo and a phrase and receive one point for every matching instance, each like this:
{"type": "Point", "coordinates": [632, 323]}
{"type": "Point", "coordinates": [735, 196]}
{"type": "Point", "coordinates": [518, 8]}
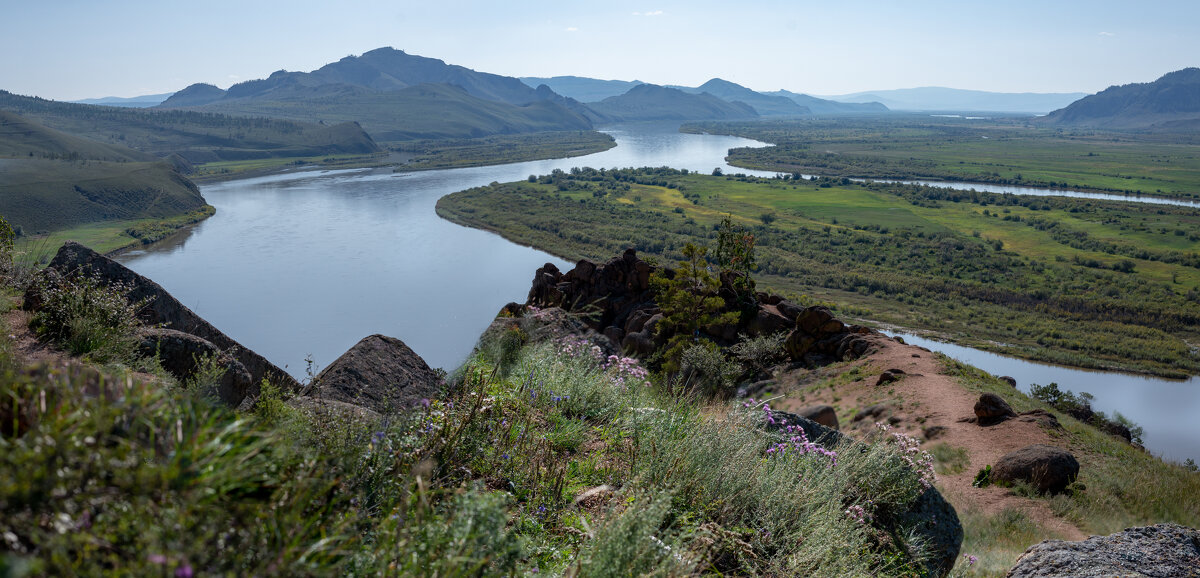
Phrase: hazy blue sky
{"type": "Point", "coordinates": [71, 49]}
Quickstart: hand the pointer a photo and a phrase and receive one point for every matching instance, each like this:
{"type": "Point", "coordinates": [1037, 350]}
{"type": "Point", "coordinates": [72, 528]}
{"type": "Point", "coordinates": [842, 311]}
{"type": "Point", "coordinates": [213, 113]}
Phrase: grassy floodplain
{"type": "Point", "coordinates": [1085, 283]}
{"type": "Point", "coordinates": [1016, 151]}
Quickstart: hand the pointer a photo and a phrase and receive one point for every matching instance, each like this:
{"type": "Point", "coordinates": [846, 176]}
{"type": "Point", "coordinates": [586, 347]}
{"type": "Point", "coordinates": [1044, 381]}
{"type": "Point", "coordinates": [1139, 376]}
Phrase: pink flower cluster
{"type": "Point", "coordinates": [858, 514]}
{"type": "Point", "coordinates": [622, 369]}
{"type": "Point", "coordinates": [910, 449]}
{"type": "Point", "coordinates": [798, 442]}
{"type": "Point", "coordinates": [580, 347]}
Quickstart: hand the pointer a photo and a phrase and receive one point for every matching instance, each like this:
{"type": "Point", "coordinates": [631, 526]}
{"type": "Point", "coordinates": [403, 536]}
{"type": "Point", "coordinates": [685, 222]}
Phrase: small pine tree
{"type": "Point", "coordinates": [689, 302]}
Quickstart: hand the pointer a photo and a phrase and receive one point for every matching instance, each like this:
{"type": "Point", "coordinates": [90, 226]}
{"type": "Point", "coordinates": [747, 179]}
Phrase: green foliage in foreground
{"type": "Point", "coordinates": [1037, 277]}
{"type": "Point", "coordinates": [1012, 152]}
{"type": "Point", "coordinates": [106, 474]}
{"type": "Point", "coordinates": [87, 317]}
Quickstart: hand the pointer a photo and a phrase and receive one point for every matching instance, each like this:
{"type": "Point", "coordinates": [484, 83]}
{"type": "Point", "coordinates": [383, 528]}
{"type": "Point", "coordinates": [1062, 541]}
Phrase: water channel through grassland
{"type": "Point", "coordinates": [303, 265]}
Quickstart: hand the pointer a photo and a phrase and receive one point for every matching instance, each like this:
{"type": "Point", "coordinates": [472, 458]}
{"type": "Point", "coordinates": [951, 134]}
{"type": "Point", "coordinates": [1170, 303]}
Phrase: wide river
{"type": "Point", "coordinates": [303, 265]}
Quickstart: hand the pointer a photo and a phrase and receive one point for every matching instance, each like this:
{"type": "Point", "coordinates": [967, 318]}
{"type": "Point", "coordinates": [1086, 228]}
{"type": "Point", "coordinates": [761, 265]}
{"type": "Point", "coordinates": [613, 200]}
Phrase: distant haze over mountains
{"type": "Point", "coordinates": [143, 101]}
{"type": "Point", "coordinates": [939, 99]}
{"type": "Point", "coordinates": [1171, 102]}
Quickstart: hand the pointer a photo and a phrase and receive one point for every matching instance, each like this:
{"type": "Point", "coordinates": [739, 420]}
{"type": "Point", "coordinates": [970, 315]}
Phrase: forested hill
{"type": "Point", "coordinates": [1173, 98]}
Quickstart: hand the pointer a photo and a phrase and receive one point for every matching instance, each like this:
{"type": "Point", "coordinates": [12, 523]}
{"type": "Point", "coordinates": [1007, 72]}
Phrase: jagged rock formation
{"type": "Point", "coordinates": [821, 338]}
{"type": "Point", "coordinates": [930, 516]}
{"type": "Point", "coordinates": [616, 300]}
{"type": "Point", "coordinates": [379, 373]}
{"type": "Point", "coordinates": [1046, 468]}
{"type": "Point", "coordinates": [1159, 551]}
{"type": "Point", "coordinates": [165, 310]}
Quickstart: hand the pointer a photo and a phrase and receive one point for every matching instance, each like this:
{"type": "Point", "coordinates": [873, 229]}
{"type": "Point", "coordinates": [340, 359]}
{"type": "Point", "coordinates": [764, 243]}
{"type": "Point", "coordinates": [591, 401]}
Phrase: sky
{"type": "Point", "coordinates": [75, 49]}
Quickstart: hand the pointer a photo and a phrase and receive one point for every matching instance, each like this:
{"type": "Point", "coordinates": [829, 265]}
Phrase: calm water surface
{"type": "Point", "coordinates": [306, 264]}
{"type": "Point", "coordinates": [309, 263]}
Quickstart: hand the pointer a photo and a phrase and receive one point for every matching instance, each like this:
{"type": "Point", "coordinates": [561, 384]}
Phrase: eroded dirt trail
{"type": "Point", "coordinates": [923, 398]}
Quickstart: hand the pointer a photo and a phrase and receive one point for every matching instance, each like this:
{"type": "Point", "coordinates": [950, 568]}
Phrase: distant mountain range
{"type": "Point", "coordinates": [396, 96]}
{"type": "Point", "coordinates": [581, 88]}
{"type": "Point", "coordinates": [654, 102]}
{"type": "Point", "coordinates": [939, 99]}
{"type": "Point", "coordinates": [1170, 103]}
{"type": "Point", "coordinates": [779, 103]}
{"type": "Point", "coordinates": [143, 101]}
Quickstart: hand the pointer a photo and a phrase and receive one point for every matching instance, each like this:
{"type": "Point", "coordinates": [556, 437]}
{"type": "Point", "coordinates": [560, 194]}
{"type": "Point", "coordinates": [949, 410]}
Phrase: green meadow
{"type": "Point", "coordinates": [1004, 151]}
{"type": "Point", "coordinates": [1085, 283]}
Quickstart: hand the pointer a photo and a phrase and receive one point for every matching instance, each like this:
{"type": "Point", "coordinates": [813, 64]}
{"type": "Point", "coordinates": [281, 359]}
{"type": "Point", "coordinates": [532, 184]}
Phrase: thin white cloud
{"type": "Point", "coordinates": [571, 29]}
{"type": "Point", "coordinates": [651, 13]}
{"type": "Point", "coordinates": [1107, 34]}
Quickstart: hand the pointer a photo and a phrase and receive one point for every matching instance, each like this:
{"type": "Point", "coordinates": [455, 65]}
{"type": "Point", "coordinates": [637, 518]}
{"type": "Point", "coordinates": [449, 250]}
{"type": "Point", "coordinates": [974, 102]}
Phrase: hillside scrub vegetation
{"type": "Point", "coordinates": [567, 465]}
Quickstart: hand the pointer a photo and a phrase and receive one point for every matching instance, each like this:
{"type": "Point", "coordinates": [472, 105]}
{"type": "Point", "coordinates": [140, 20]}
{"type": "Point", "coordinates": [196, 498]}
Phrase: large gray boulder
{"type": "Point", "coordinates": [930, 517]}
{"type": "Point", "coordinates": [991, 409]}
{"type": "Point", "coordinates": [1159, 551]}
{"type": "Point", "coordinates": [165, 310]}
{"type": "Point", "coordinates": [1046, 468]}
{"type": "Point", "coordinates": [379, 373]}
{"type": "Point", "coordinates": [182, 355]}
{"type": "Point", "coordinates": [822, 414]}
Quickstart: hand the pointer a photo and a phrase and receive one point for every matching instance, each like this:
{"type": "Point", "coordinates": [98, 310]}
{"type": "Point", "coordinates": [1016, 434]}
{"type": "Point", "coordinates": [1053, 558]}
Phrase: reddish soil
{"type": "Point", "coordinates": [925, 397]}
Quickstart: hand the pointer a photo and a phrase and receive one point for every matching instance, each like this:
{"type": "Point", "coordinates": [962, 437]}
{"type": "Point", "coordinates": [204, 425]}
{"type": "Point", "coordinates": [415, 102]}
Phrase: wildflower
{"type": "Point", "coordinates": [971, 560]}
{"type": "Point", "coordinates": [858, 514]}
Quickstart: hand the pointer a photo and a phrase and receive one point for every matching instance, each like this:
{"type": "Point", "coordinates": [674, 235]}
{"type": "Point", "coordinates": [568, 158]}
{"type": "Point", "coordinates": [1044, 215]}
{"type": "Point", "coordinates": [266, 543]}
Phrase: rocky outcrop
{"type": "Point", "coordinates": [1159, 551]}
{"type": "Point", "coordinates": [617, 302]}
{"type": "Point", "coordinates": [165, 310]}
{"type": "Point", "coordinates": [991, 409]}
{"type": "Point", "coordinates": [379, 373]}
{"type": "Point", "coordinates": [930, 517]}
{"type": "Point", "coordinates": [183, 355]}
{"type": "Point", "coordinates": [820, 338]}
{"type": "Point", "coordinates": [1047, 468]}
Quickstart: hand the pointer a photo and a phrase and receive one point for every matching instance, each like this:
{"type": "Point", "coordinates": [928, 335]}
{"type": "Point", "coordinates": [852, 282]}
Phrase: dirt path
{"type": "Point", "coordinates": [26, 347]}
{"type": "Point", "coordinates": [922, 398]}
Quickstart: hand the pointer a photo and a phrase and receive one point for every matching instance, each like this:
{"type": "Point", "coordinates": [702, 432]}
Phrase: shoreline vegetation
{"type": "Point", "coordinates": [1004, 151]}
{"type": "Point", "coordinates": [1089, 284]}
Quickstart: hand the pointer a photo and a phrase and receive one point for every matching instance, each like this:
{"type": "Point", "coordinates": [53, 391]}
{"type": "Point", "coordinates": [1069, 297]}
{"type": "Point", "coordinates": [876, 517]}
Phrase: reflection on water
{"type": "Point", "coordinates": [1165, 408]}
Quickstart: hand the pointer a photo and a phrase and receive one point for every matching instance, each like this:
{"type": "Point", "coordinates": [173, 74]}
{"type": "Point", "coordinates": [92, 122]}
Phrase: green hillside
{"type": "Point", "coordinates": [55, 186]}
{"type": "Point", "coordinates": [198, 137]}
{"type": "Point", "coordinates": [41, 195]}
{"type": "Point", "coordinates": [23, 138]}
